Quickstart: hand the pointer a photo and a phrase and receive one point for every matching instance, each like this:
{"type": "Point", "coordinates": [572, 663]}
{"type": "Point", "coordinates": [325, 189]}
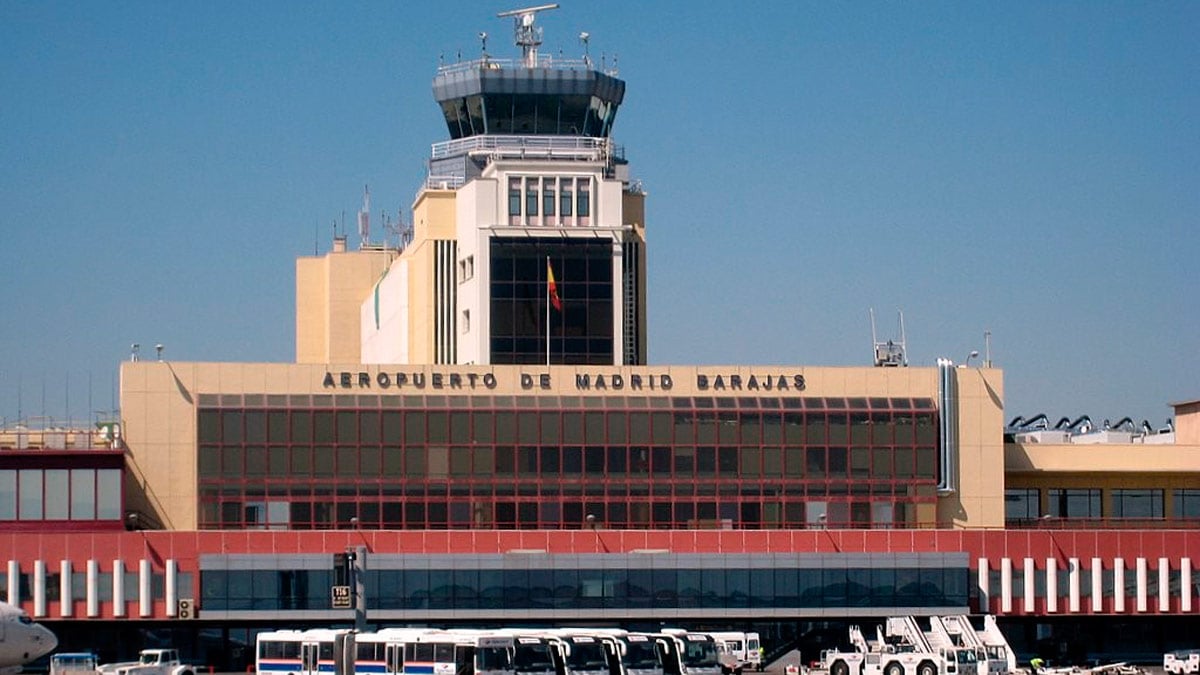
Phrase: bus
{"type": "Point", "coordinates": [586, 651]}
{"type": "Point", "coordinates": [687, 653]}
{"type": "Point", "coordinates": [296, 652]}
{"type": "Point", "coordinates": [741, 648]}
{"type": "Point", "coordinates": [640, 653]}
{"type": "Point", "coordinates": [428, 651]}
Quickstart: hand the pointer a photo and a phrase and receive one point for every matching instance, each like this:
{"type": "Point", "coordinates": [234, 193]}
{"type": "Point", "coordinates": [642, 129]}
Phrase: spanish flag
{"type": "Point", "coordinates": [551, 287]}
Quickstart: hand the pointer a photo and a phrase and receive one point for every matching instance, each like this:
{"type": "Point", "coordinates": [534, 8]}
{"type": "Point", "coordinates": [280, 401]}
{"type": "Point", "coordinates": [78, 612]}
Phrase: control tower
{"type": "Point", "coordinates": [528, 239]}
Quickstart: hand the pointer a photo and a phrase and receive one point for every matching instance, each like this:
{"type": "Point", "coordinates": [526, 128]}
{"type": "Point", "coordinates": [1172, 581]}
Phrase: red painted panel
{"type": "Point", "coordinates": [755, 541]}
{"type": "Point", "coordinates": [779, 541]}
{"type": "Point", "coordinates": [706, 540]}
{"type": "Point", "coordinates": [1174, 546]}
{"type": "Point", "coordinates": [1109, 546]}
{"type": "Point", "coordinates": [876, 541]}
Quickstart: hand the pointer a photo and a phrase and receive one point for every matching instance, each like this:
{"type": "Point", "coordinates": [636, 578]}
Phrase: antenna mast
{"type": "Point", "coordinates": [528, 36]}
{"type": "Point", "coordinates": [364, 218]}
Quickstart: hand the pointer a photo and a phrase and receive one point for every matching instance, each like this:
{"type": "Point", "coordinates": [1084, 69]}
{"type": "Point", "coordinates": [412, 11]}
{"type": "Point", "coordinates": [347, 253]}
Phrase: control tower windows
{"type": "Point", "coordinates": [570, 196]}
{"type": "Point", "coordinates": [514, 198]}
{"type": "Point", "coordinates": [566, 198]}
{"type": "Point", "coordinates": [585, 199]}
{"type": "Point", "coordinates": [531, 196]}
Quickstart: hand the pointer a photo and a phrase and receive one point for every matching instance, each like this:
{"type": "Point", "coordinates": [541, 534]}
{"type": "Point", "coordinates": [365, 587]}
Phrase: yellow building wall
{"type": "Point", "coordinates": [1104, 467]}
{"type": "Point", "coordinates": [433, 220]}
{"type": "Point", "coordinates": [633, 209]}
{"type": "Point", "coordinates": [329, 294]}
{"type": "Point", "coordinates": [1187, 422]}
{"type": "Point", "coordinates": [978, 501]}
{"type": "Point", "coordinates": [312, 310]}
{"type": "Point", "coordinates": [159, 402]}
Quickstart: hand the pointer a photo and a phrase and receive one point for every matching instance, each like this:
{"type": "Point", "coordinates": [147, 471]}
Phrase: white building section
{"type": "Point", "coordinates": [384, 317]}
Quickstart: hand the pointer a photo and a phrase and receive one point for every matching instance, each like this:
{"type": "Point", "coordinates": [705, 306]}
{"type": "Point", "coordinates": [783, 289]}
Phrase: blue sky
{"type": "Point", "coordinates": [1028, 169]}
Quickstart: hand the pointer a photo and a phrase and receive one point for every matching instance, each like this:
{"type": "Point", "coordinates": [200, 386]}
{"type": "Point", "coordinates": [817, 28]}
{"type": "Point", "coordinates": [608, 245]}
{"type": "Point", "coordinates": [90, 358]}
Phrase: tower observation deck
{"type": "Point", "coordinates": [535, 106]}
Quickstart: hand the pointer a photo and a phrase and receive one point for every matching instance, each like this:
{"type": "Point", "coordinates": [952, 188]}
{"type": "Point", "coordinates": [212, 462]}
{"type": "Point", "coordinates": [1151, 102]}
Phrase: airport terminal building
{"type": "Point", "coordinates": [471, 412]}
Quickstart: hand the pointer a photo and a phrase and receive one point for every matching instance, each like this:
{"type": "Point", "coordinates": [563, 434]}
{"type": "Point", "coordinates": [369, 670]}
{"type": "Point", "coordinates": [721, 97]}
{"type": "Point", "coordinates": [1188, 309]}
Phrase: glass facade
{"type": "Point", "coordinates": [1021, 504]}
{"type": "Point", "coordinates": [529, 114]}
{"type": "Point", "coordinates": [62, 495]}
{"type": "Point", "coordinates": [494, 584]}
{"type": "Point", "coordinates": [1074, 502]}
{"type": "Point", "coordinates": [582, 332]}
{"type": "Point", "coordinates": [554, 462]}
{"type": "Point", "coordinates": [1137, 503]}
{"type": "Point", "coordinates": [1186, 503]}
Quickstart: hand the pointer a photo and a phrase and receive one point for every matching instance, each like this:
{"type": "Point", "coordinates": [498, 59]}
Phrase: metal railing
{"type": "Point", "coordinates": [553, 147]}
{"type": "Point", "coordinates": [20, 437]}
{"type": "Point", "coordinates": [1071, 523]}
{"type": "Point", "coordinates": [544, 61]}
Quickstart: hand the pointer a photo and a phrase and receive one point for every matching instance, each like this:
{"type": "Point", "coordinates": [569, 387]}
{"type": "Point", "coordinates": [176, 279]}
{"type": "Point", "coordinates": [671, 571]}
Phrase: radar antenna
{"type": "Point", "coordinates": [528, 36]}
{"type": "Point", "coordinates": [889, 353]}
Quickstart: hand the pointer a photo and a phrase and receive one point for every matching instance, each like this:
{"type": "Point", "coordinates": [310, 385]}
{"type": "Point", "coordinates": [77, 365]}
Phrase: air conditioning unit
{"type": "Point", "coordinates": [185, 608]}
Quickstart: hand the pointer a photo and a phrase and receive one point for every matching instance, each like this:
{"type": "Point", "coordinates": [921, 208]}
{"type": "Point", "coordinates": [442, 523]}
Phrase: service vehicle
{"type": "Point", "coordinates": [150, 662]}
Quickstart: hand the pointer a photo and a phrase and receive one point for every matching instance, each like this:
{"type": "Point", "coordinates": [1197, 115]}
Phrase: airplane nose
{"type": "Point", "coordinates": [45, 641]}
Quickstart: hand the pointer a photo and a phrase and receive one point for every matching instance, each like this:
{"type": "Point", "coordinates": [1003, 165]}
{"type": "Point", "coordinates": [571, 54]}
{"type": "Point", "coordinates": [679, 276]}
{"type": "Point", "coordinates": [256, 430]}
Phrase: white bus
{"type": "Point", "coordinates": [294, 652]}
{"type": "Point", "coordinates": [741, 648]}
{"type": "Point", "coordinates": [687, 653]}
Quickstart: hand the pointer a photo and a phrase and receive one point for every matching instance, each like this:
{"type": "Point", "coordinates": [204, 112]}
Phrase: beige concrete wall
{"type": "Point", "coordinates": [1187, 422]}
{"type": "Point", "coordinates": [312, 310]}
{"type": "Point", "coordinates": [433, 220]}
{"type": "Point", "coordinates": [979, 498]}
{"type": "Point", "coordinates": [329, 295]}
{"type": "Point", "coordinates": [159, 402]}
{"type": "Point", "coordinates": [1120, 462]}
{"type": "Point", "coordinates": [633, 209]}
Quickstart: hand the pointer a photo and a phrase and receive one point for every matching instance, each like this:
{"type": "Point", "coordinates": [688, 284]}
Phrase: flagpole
{"type": "Point", "coordinates": [547, 312]}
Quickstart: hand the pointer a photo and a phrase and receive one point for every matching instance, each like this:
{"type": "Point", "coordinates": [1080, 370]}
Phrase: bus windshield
{"type": "Point", "coordinates": [493, 658]}
{"type": "Point", "coordinates": [700, 654]}
{"type": "Point", "coordinates": [530, 658]}
{"type": "Point", "coordinates": [587, 656]}
{"type": "Point", "coordinates": [641, 655]}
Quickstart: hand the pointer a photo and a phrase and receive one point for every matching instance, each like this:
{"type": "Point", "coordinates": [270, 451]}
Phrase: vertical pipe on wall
{"type": "Point", "coordinates": [65, 601]}
{"type": "Point", "coordinates": [947, 426]}
{"type": "Point", "coordinates": [1073, 582]}
{"type": "Point", "coordinates": [1006, 585]}
{"type": "Point", "coordinates": [118, 579]}
{"type": "Point", "coordinates": [145, 585]}
{"type": "Point", "coordinates": [93, 588]}
{"type": "Point", "coordinates": [1051, 585]}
